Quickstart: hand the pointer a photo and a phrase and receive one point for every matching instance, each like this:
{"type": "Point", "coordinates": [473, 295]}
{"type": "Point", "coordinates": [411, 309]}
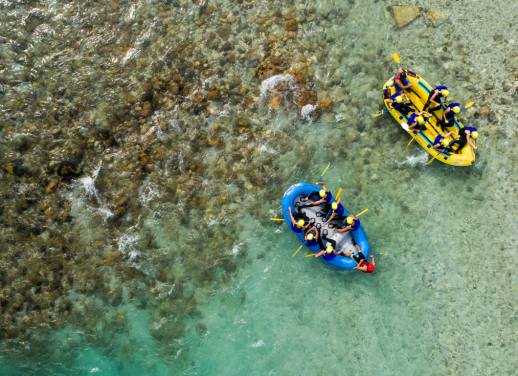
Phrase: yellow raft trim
{"type": "Point", "coordinates": [418, 95]}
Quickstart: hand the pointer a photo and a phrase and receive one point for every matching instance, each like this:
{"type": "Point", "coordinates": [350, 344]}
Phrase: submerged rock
{"type": "Point", "coordinates": [436, 16]}
{"type": "Point", "coordinates": [404, 14]}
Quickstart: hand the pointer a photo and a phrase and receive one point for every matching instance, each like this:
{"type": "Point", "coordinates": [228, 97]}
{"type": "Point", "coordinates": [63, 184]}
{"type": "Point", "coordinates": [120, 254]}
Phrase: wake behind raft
{"type": "Point", "coordinates": [297, 194]}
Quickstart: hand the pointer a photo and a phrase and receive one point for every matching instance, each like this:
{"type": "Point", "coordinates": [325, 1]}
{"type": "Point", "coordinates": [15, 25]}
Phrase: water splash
{"type": "Point", "coordinates": [271, 84]}
{"type": "Point", "coordinates": [127, 246]}
{"type": "Point", "coordinates": [307, 111]}
{"type": "Point", "coordinates": [88, 183]}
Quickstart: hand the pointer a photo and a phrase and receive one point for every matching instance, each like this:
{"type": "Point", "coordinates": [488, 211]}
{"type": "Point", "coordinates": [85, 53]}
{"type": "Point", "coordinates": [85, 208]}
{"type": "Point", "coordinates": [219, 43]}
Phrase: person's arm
{"type": "Point", "coordinates": [344, 229]}
{"type": "Point", "coordinates": [358, 248]}
{"type": "Point", "coordinates": [291, 216]}
{"type": "Point", "coordinates": [432, 98]}
{"type": "Point", "coordinates": [318, 202]}
{"type": "Point", "coordinates": [372, 261]}
{"type": "Point", "coordinates": [470, 141]}
{"type": "Point", "coordinates": [330, 218]}
{"type": "Point", "coordinates": [319, 253]}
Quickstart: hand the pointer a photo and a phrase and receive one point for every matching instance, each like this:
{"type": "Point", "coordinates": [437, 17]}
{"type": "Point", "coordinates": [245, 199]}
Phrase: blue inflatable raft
{"type": "Point", "coordinates": [344, 241]}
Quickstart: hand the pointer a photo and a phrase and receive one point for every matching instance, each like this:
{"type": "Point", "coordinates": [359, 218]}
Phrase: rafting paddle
{"type": "Point", "coordinates": [277, 219]}
{"type": "Point", "coordinates": [297, 251]}
{"type": "Point", "coordinates": [395, 57]}
{"type": "Point", "coordinates": [362, 212]}
{"type": "Point", "coordinates": [324, 171]}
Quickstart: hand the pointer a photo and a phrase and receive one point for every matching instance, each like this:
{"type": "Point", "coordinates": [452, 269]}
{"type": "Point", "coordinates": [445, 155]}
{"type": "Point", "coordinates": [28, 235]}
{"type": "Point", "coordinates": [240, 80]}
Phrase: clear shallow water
{"type": "Point", "coordinates": [441, 300]}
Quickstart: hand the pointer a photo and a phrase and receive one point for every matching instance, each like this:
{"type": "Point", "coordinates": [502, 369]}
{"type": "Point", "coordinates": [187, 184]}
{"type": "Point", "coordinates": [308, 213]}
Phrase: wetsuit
{"type": "Point", "coordinates": [438, 141]}
{"type": "Point", "coordinates": [339, 212]}
{"type": "Point", "coordinates": [412, 120]}
{"type": "Point", "coordinates": [402, 77]}
{"type": "Point", "coordinates": [463, 139]}
{"type": "Point", "coordinates": [437, 98]}
{"type": "Point", "coordinates": [402, 107]}
{"type": "Point", "coordinates": [448, 119]}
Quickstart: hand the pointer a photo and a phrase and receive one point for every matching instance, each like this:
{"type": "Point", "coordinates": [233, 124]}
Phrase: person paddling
{"type": "Point", "coordinates": [362, 264]}
{"type": "Point", "coordinates": [325, 198]}
{"type": "Point", "coordinates": [352, 222]}
{"type": "Point", "coordinates": [448, 115]}
{"type": "Point", "coordinates": [297, 225]}
{"type": "Point", "coordinates": [400, 80]}
{"type": "Point", "coordinates": [441, 143]}
{"type": "Point", "coordinates": [467, 135]}
{"type": "Point", "coordinates": [435, 96]}
{"type": "Point", "coordinates": [312, 236]}
{"type": "Point", "coordinates": [337, 211]}
{"type": "Point", "coordinates": [329, 253]}
{"type": "Point", "coordinates": [416, 121]}
{"type": "Point", "coordinates": [401, 103]}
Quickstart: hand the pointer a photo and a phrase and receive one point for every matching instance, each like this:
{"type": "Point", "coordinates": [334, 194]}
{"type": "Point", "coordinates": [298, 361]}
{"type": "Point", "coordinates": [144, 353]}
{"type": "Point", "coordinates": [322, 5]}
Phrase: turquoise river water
{"type": "Point", "coordinates": [149, 249]}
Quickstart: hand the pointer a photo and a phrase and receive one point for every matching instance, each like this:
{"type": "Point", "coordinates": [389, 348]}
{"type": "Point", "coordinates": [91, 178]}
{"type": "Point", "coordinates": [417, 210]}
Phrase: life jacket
{"type": "Point", "coordinates": [438, 90]}
{"type": "Point", "coordinates": [329, 256]}
{"type": "Point", "coordinates": [437, 140]}
{"type": "Point", "coordinates": [412, 118]}
{"type": "Point", "coordinates": [356, 225]}
{"type": "Point", "coordinates": [296, 228]}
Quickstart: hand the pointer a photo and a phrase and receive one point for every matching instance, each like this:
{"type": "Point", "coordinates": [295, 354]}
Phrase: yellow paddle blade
{"type": "Point", "coordinates": [396, 58]}
{"type": "Point", "coordinates": [362, 212]}
{"type": "Point", "coordinates": [296, 251]}
{"type": "Point", "coordinates": [310, 255]}
{"type": "Point", "coordinates": [324, 171]}
{"type": "Point", "coordinates": [412, 140]}
{"type": "Point", "coordinates": [469, 104]}
{"type": "Point", "coordinates": [378, 114]}
{"type": "Point", "coordinates": [340, 190]}
{"type": "Point", "coordinates": [430, 161]}
{"type": "Point", "coordinates": [276, 219]}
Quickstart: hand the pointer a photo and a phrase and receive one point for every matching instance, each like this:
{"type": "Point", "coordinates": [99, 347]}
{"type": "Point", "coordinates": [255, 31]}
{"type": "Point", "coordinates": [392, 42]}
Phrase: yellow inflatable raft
{"type": "Point", "coordinates": [418, 95]}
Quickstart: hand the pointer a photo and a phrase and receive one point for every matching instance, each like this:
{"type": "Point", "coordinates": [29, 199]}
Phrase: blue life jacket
{"type": "Point", "coordinates": [437, 140]}
{"type": "Point", "coordinates": [412, 118]}
{"type": "Point", "coordinates": [329, 256]}
{"type": "Point", "coordinates": [295, 228]}
{"type": "Point", "coordinates": [438, 90]}
{"type": "Point", "coordinates": [311, 243]}
{"type": "Point", "coordinates": [451, 105]}
{"type": "Point", "coordinates": [356, 225]}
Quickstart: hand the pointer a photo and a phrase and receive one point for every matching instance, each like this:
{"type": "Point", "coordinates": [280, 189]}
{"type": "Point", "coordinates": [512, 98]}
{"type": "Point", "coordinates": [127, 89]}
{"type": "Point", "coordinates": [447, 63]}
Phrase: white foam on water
{"type": "Point", "coordinates": [257, 344]}
{"type": "Point", "coordinates": [95, 370]}
{"type": "Point", "coordinates": [268, 85]}
{"type": "Point", "coordinates": [127, 246]}
{"type": "Point", "coordinates": [307, 111]}
{"type": "Point", "coordinates": [88, 183]}
{"type": "Point", "coordinates": [148, 193]}
{"type": "Point", "coordinates": [414, 160]}
{"type": "Point", "coordinates": [236, 249]}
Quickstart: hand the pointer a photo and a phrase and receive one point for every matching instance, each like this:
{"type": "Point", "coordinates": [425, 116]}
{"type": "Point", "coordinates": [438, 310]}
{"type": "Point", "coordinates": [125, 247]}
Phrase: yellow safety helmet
{"type": "Point", "coordinates": [420, 119]}
{"type": "Point", "coordinates": [456, 109]}
{"type": "Point", "coordinates": [444, 142]}
{"type": "Point", "coordinates": [445, 92]}
{"type": "Point", "coordinates": [310, 236]}
{"type": "Point", "coordinates": [334, 205]}
{"type": "Point", "coordinates": [300, 223]}
{"type": "Point", "coordinates": [474, 135]}
{"type": "Point", "coordinates": [322, 193]}
{"type": "Point", "coordinates": [329, 249]}
{"type": "Point", "coordinates": [349, 220]}
{"type": "Point", "coordinates": [399, 99]}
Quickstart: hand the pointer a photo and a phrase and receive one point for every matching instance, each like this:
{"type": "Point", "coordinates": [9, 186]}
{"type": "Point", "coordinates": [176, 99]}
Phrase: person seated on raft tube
{"type": "Point", "coordinates": [416, 121]}
{"type": "Point", "coordinates": [352, 222]}
{"type": "Point", "coordinates": [401, 83]}
{"type": "Point", "coordinates": [297, 225]}
{"type": "Point", "coordinates": [362, 264]}
{"type": "Point", "coordinates": [467, 135]}
{"type": "Point", "coordinates": [441, 143]}
{"type": "Point", "coordinates": [448, 115]}
{"type": "Point", "coordinates": [401, 103]}
{"type": "Point", "coordinates": [337, 211]}
{"type": "Point", "coordinates": [312, 236]}
{"type": "Point", "coordinates": [325, 198]}
{"type": "Point", "coordinates": [329, 253]}
{"type": "Point", "coordinates": [435, 96]}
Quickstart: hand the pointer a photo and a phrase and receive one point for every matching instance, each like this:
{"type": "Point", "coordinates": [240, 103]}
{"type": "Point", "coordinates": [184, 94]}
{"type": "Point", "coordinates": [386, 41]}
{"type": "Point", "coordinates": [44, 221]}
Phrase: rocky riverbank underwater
{"type": "Point", "coordinates": [136, 135]}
